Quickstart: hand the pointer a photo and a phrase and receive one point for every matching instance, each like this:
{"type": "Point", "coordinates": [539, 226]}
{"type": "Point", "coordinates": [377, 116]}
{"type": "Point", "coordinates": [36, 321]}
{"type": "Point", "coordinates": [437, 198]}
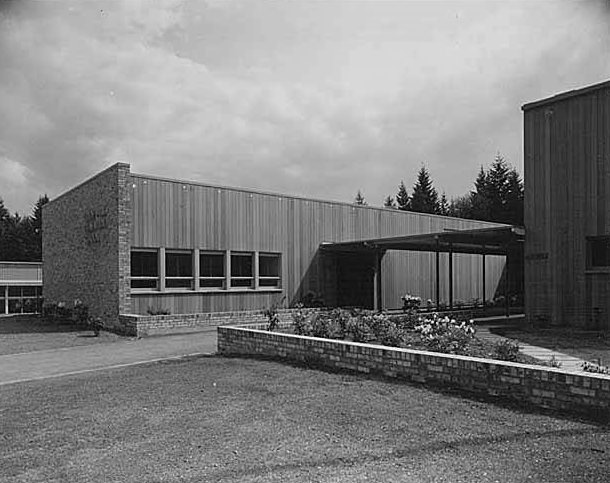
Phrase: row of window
{"type": "Point", "coordinates": [217, 270]}
{"type": "Point", "coordinates": [20, 299]}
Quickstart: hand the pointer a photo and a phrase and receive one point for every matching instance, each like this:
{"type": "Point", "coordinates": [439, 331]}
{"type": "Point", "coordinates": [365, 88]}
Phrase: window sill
{"type": "Point", "coordinates": [598, 271]}
{"type": "Point", "coordinates": [207, 291]}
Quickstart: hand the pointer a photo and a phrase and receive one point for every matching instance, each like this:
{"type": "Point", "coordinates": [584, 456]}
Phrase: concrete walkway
{"type": "Point", "coordinates": [567, 362]}
{"type": "Point", "coordinates": [43, 364]}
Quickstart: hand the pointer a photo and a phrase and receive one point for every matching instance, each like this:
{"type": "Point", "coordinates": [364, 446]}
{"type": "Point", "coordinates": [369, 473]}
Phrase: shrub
{"type": "Point", "coordinates": [358, 330]}
{"type": "Point", "coordinates": [595, 368]}
{"type": "Point", "coordinates": [553, 362]}
{"type": "Point", "coordinates": [301, 318]}
{"type": "Point", "coordinates": [326, 326]}
{"type": "Point", "coordinates": [443, 334]}
{"type": "Point", "coordinates": [152, 311]}
{"type": "Point", "coordinates": [384, 330]}
{"type": "Point", "coordinates": [57, 312]}
{"type": "Point", "coordinates": [506, 350]}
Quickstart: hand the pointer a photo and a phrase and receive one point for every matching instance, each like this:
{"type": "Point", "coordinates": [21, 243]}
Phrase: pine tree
{"type": "Point", "coordinates": [461, 207]}
{"type": "Point", "coordinates": [359, 200]}
{"type": "Point", "coordinates": [425, 197]}
{"type": "Point", "coordinates": [443, 205]}
{"type": "Point", "coordinates": [389, 202]}
{"type": "Point", "coordinates": [402, 197]}
{"type": "Point", "coordinates": [498, 194]}
{"type": "Point", "coordinates": [35, 222]}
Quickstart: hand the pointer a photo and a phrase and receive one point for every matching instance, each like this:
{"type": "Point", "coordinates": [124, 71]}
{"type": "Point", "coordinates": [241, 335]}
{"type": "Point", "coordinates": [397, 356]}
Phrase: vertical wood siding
{"type": "Point", "coordinates": [180, 215]}
{"type": "Point", "coordinates": [567, 161]}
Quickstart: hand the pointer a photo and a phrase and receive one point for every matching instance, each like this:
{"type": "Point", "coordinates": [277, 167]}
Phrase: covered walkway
{"type": "Point", "coordinates": [504, 240]}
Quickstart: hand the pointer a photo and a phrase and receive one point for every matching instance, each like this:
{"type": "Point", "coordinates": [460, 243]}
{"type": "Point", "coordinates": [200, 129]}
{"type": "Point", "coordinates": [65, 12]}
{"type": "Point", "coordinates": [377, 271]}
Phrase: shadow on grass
{"type": "Point", "coordinates": [600, 419]}
{"type": "Point", "coordinates": [418, 450]}
{"type": "Point", "coordinates": [30, 324]}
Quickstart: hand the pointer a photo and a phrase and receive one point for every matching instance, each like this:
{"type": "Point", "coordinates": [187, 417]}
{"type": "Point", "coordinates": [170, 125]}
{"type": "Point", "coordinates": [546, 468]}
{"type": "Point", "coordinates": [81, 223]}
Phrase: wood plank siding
{"type": "Point", "coordinates": [567, 163]}
{"type": "Point", "coordinates": [184, 215]}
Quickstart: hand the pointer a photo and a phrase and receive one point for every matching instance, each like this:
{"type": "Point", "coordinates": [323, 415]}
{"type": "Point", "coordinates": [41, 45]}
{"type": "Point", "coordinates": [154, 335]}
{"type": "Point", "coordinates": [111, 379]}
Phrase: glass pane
{"type": "Point", "coordinates": [211, 283]}
{"type": "Point", "coordinates": [151, 284]}
{"type": "Point", "coordinates": [14, 306]}
{"type": "Point", "coordinates": [178, 265]}
{"type": "Point", "coordinates": [269, 282]}
{"type": "Point", "coordinates": [269, 265]}
{"type": "Point", "coordinates": [14, 291]}
{"type": "Point", "coordinates": [600, 252]}
{"type": "Point", "coordinates": [241, 282]}
{"type": "Point", "coordinates": [178, 283]}
{"type": "Point", "coordinates": [212, 265]}
{"type": "Point", "coordinates": [29, 306]}
{"type": "Point", "coordinates": [241, 265]}
{"type": "Point", "coordinates": [29, 291]}
{"type": "Point", "coordinates": [144, 264]}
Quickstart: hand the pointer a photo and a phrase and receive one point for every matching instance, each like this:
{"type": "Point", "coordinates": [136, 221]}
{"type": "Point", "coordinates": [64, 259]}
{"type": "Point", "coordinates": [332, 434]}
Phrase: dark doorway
{"type": "Point", "coordinates": [355, 280]}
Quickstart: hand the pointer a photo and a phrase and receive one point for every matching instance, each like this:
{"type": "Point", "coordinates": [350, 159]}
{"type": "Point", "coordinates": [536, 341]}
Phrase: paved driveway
{"type": "Point", "coordinates": [73, 360]}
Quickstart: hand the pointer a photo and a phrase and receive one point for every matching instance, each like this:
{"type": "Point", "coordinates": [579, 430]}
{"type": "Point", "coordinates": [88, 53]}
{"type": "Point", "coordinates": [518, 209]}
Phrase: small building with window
{"type": "Point", "coordinates": [127, 244]}
{"type": "Point", "coordinates": [567, 208]}
{"type": "Point", "coordinates": [20, 287]}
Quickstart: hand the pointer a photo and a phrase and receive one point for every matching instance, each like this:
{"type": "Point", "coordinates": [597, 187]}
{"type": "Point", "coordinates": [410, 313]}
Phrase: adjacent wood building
{"type": "Point", "coordinates": [567, 208]}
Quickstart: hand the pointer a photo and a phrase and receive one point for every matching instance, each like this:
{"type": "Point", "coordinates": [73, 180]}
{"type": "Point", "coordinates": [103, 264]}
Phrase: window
{"type": "Point", "coordinates": [598, 251]}
{"type": "Point", "coordinates": [241, 270]}
{"type": "Point", "coordinates": [144, 269]}
{"type": "Point", "coordinates": [212, 270]}
{"type": "Point", "coordinates": [22, 299]}
{"type": "Point", "coordinates": [178, 270]}
{"type": "Point", "coordinates": [269, 270]}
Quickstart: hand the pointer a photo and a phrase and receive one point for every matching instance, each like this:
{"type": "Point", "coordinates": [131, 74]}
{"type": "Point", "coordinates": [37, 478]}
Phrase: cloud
{"type": "Point", "coordinates": [279, 101]}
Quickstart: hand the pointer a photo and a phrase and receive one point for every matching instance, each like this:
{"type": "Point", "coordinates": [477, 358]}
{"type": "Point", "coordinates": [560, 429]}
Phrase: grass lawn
{"type": "Point", "coordinates": [239, 420]}
{"type": "Point", "coordinates": [27, 333]}
{"type": "Point", "coordinates": [590, 346]}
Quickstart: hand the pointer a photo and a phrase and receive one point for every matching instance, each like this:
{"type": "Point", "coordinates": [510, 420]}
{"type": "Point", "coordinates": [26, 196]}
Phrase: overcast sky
{"type": "Point", "coordinates": [311, 98]}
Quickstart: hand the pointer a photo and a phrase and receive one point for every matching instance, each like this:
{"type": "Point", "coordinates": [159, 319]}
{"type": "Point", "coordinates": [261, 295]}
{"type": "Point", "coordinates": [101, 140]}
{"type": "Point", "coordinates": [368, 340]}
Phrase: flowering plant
{"type": "Point", "coordinates": [444, 334]}
{"type": "Point", "coordinates": [410, 301]}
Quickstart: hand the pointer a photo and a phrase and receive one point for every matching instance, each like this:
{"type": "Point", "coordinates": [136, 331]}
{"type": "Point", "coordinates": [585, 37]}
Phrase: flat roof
{"type": "Point", "coordinates": [489, 241]}
{"type": "Point", "coordinates": [566, 95]}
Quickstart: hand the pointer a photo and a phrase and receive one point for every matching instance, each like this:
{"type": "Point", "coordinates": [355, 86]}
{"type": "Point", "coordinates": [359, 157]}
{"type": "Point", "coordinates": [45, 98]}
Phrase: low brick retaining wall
{"type": "Point", "coordinates": [147, 325]}
{"type": "Point", "coordinates": [583, 394]}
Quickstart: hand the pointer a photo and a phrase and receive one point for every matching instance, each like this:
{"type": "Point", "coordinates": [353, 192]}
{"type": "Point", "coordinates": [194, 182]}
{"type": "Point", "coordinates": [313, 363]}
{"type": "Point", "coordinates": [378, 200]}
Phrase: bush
{"type": "Point", "coordinates": [57, 312]}
{"type": "Point", "coordinates": [358, 330]}
{"type": "Point", "coordinates": [442, 334]}
{"type": "Point", "coordinates": [506, 350]}
{"type": "Point", "coordinates": [595, 368]}
{"type": "Point", "coordinates": [301, 318]}
{"type": "Point", "coordinates": [152, 311]}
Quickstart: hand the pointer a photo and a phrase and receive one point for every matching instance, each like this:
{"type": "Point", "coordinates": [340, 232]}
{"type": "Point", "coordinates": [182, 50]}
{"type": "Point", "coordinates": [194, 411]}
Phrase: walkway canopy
{"type": "Point", "coordinates": [499, 240]}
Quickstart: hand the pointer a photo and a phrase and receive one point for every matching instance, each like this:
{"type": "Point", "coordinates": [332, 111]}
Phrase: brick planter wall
{"type": "Point", "coordinates": [583, 394]}
{"type": "Point", "coordinates": [147, 325]}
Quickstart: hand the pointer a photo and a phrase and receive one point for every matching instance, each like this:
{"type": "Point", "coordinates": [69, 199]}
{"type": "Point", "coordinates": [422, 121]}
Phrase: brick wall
{"type": "Point", "coordinates": [86, 245]}
{"type": "Point", "coordinates": [584, 394]}
{"type": "Point", "coordinates": [147, 325]}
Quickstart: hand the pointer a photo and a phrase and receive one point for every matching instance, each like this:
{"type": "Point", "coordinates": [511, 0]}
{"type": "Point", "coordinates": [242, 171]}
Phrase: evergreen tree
{"type": "Point", "coordinates": [402, 197]}
{"type": "Point", "coordinates": [21, 237]}
{"type": "Point", "coordinates": [389, 202]}
{"type": "Point", "coordinates": [425, 197]}
{"type": "Point", "coordinates": [498, 194]}
{"type": "Point", "coordinates": [443, 205]}
{"type": "Point", "coordinates": [359, 200]}
{"type": "Point", "coordinates": [461, 207]}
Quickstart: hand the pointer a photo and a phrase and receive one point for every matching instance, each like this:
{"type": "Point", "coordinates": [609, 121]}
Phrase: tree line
{"type": "Point", "coordinates": [21, 236]}
{"type": "Point", "coordinates": [497, 196]}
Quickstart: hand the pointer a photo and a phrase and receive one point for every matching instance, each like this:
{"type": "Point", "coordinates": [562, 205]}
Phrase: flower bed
{"type": "Point", "coordinates": [411, 330]}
